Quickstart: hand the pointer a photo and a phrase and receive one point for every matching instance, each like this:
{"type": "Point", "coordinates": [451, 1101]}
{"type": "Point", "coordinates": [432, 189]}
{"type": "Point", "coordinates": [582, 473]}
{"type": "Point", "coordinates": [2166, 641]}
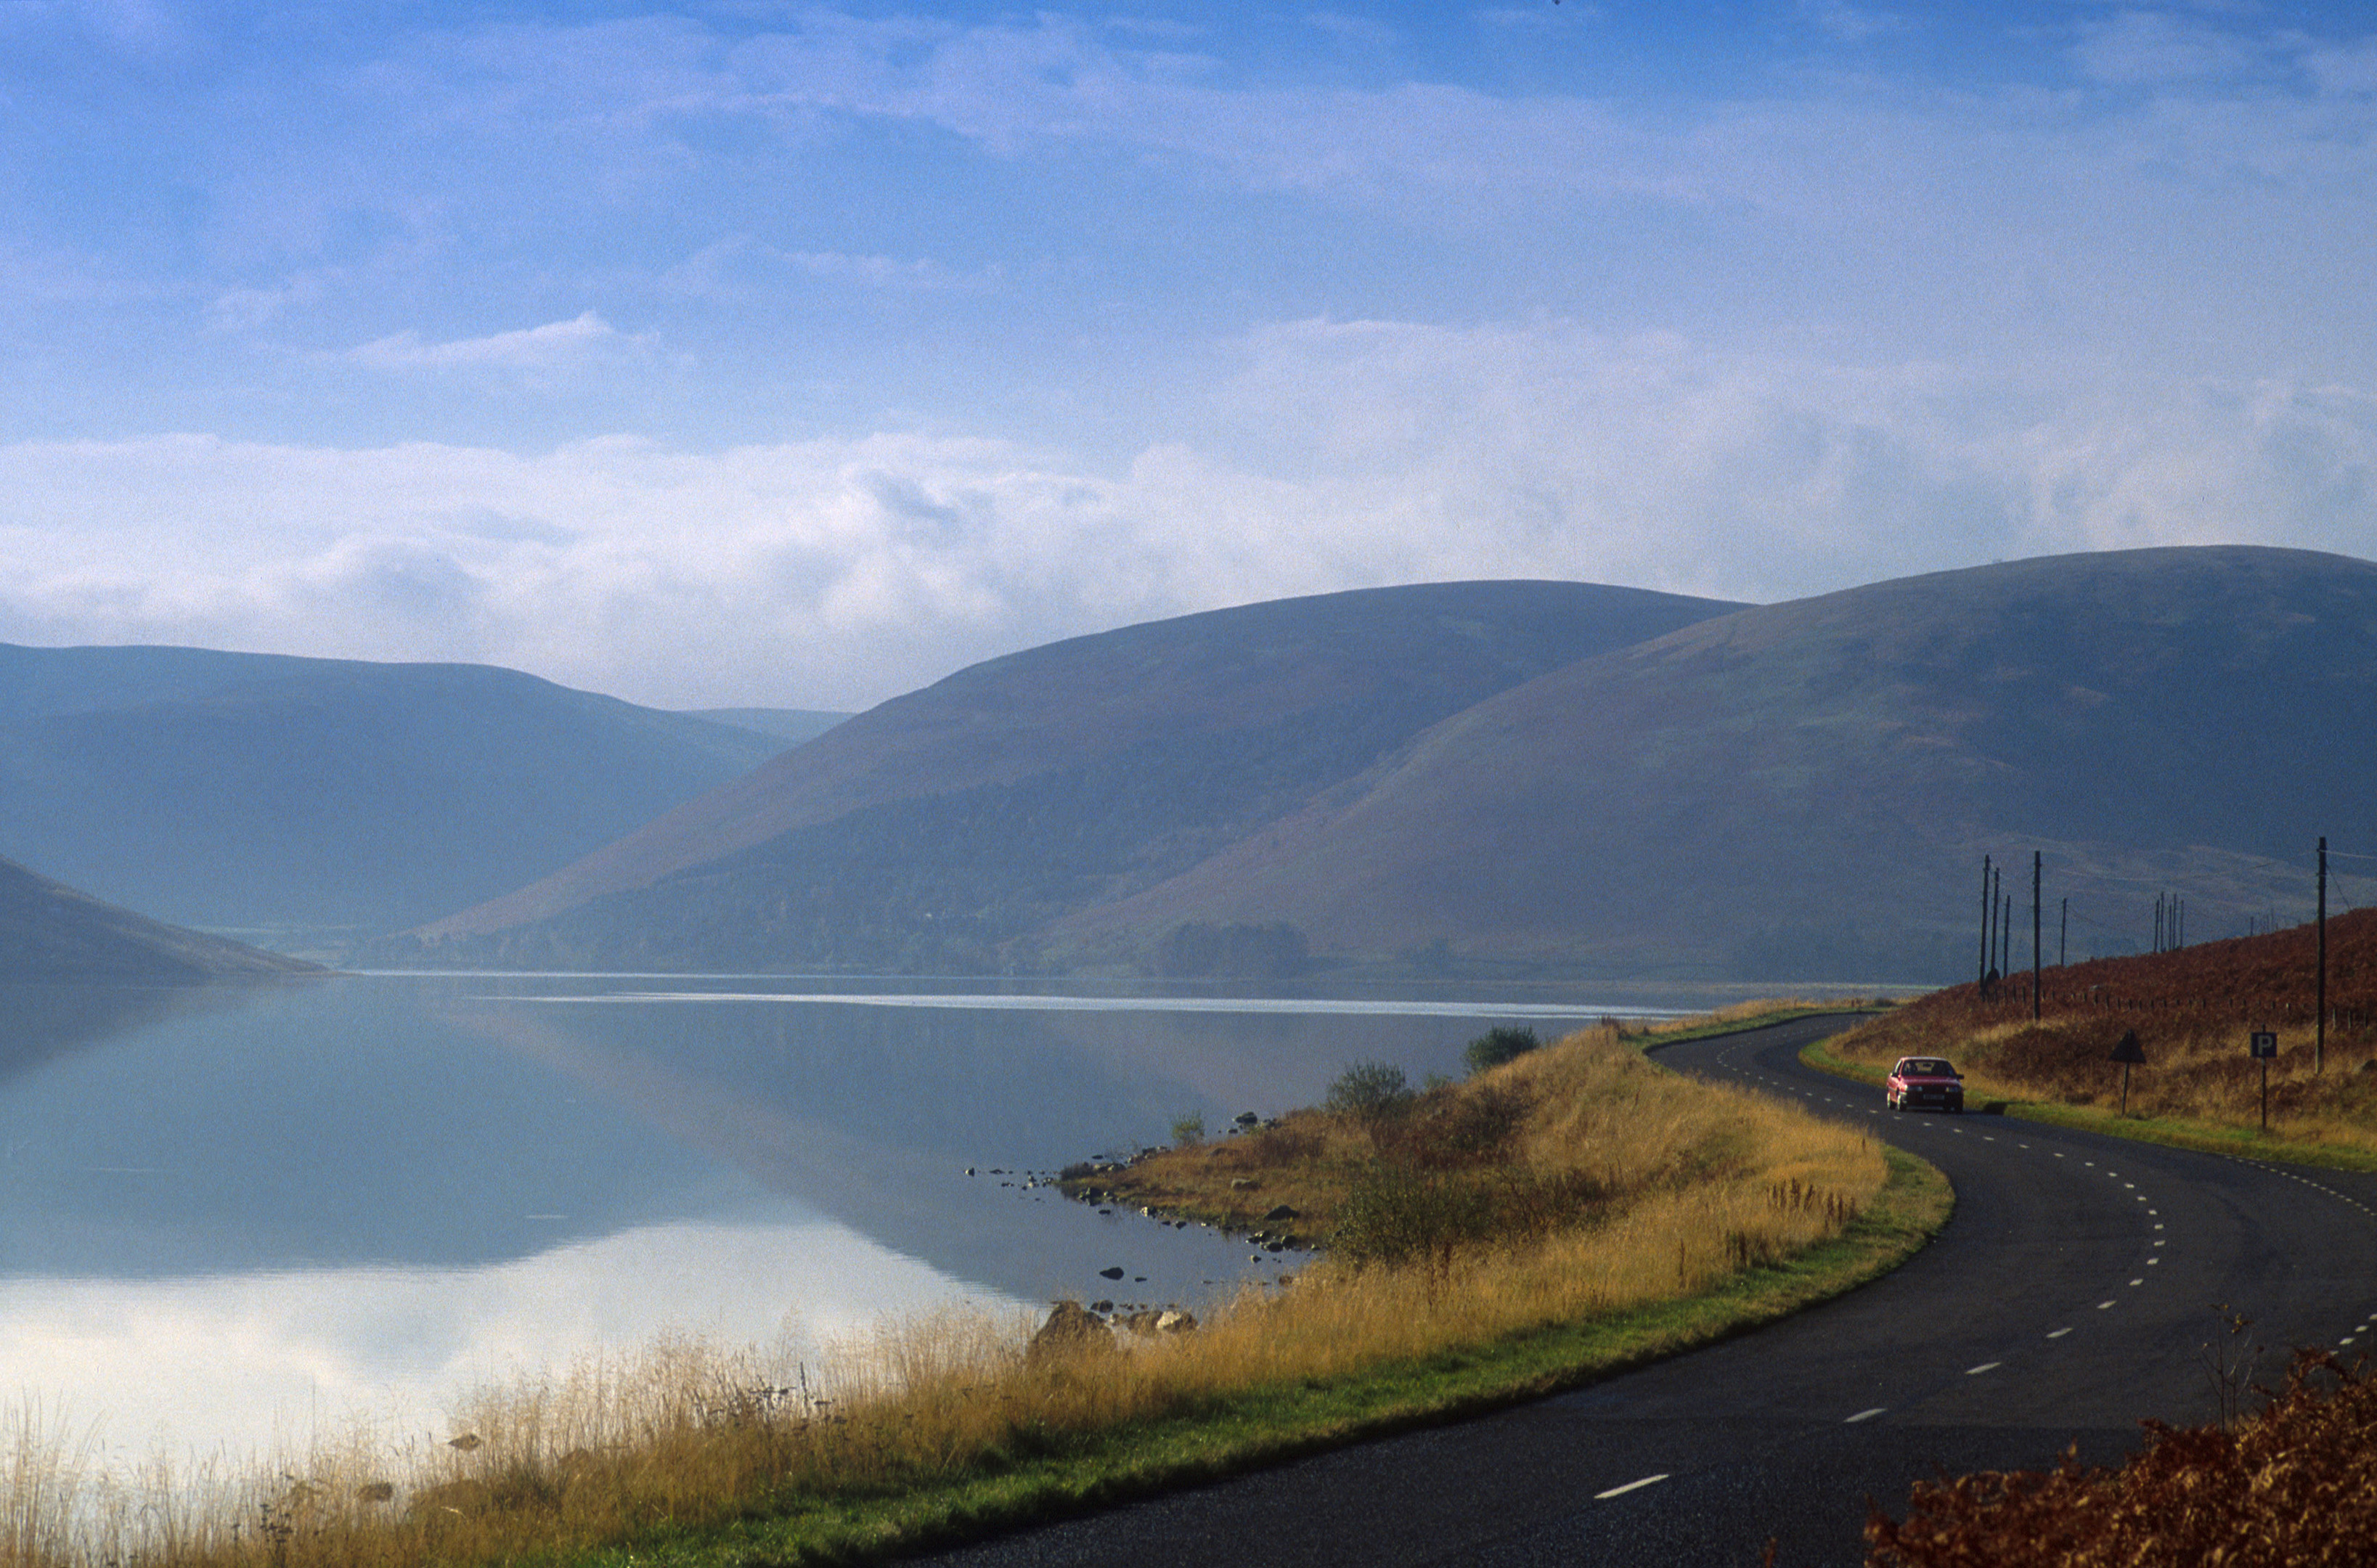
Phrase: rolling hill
{"type": "Point", "coordinates": [1806, 789]}
{"type": "Point", "coordinates": [300, 801]}
{"type": "Point", "coordinates": [1542, 778]}
{"type": "Point", "coordinates": [945, 829]}
{"type": "Point", "coordinates": [52, 934]}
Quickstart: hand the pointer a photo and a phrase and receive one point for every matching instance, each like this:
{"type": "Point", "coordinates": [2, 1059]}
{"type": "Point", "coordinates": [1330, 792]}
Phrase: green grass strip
{"type": "Point", "coordinates": [1282, 1421]}
{"type": "Point", "coordinates": [2178, 1133]}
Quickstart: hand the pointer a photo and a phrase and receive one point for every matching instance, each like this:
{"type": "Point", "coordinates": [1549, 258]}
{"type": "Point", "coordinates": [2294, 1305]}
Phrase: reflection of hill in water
{"type": "Point", "coordinates": [871, 1114]}
{"type": "Point", "coordinates": [351, 1121]}
{"type": "Point", "coordinates": [47, 1022]}
{"type": "Point", "coordinates": [331, 1123]}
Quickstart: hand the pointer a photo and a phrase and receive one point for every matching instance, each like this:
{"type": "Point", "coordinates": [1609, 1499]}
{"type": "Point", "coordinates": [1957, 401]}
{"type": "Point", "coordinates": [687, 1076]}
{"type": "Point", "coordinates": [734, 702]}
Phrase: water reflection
{"type": "Point", "coordinates": [228, 1215]}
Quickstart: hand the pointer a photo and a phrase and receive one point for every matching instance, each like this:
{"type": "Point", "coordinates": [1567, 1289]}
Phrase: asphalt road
{"type": "Point", "coordinates": [2071, 1296]}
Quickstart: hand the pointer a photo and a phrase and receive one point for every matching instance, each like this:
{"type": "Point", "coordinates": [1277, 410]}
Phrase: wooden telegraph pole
{"type": "Point", "coordinates": [2005, 930]}
{"type": "Point", "coordinates": [2318, 1038]}
{"type": "Point", "coordinates": [2033, 936]}
{"type": "Point", "coordinates": [1982, 974]}
{"type": "Point", "coordinates": [2064, 935]}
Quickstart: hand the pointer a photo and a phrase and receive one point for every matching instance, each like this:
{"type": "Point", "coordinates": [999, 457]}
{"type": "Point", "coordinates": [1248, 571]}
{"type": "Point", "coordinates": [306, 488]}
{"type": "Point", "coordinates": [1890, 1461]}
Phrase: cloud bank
{"type": "Point", "coordinates": [840, 571]}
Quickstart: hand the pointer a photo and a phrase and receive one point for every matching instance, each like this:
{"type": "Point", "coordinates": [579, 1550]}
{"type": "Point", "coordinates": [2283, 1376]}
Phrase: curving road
{"type": "Point", "coordinates": [2071, 1296]}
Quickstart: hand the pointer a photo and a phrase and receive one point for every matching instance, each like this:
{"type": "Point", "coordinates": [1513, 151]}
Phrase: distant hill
{"type": "Point", "coordinates": [51, 933]}
{"type": "Point", "coordinates": [787, 726]}
{"type": "Point", "coordinates": [945, 829]}
{"type": "Point", "coordinates": [1806, 790]}
{"type": "Point", "coordinates": [264, 794]}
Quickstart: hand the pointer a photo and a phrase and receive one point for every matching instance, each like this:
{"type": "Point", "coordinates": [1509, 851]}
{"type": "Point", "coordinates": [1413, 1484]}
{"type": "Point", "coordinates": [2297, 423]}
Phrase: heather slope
{"type": "Point", "coordinates": [948, 826]}
{"type": "Point", "coordinates": [1805, 790]}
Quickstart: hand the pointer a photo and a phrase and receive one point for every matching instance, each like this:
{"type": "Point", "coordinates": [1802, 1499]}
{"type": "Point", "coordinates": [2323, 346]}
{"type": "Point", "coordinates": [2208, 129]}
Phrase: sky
{"type": "Point", "coordinates": [798, 355]}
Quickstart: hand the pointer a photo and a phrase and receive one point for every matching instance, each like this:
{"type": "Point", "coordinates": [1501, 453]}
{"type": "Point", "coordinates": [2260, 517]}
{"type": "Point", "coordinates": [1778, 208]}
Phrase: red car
{"type": "Point", "coordinates": [1924, 1081]}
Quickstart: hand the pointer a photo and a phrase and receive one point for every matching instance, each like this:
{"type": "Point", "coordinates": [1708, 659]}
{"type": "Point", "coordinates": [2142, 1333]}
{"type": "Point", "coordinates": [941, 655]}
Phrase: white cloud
{"type": "Point", "coordinates": [531, 353]}
{"type": "Point", "coordinates": [836, 572]}
{"type": "Point", "coordinates": [740, 267]}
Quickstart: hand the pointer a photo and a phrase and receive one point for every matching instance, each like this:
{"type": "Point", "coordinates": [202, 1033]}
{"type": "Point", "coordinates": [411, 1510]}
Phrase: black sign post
{"type": "Point", "coordinates": [2265, 1045]}
{"type": "Point", "coordinates": [2129, 1053]}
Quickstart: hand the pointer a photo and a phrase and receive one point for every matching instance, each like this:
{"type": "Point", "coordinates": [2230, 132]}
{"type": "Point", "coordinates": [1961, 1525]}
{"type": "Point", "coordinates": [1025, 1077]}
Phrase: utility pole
{"type": "Point", "coordinates": [1982, 977]}
{"type": "Point", "coordinates": [2033, 936]}
{"type": "Point", "coordinates": [2158, 939]}
{"type": "Point", "coordinates": [2319, 1048]}
{"type": "Point", "coordinates": [1997, 902]}
{"type": "Point", "coordinates": [2064, 935]}
{"type": "Point", "coordinates": [2005, 932]}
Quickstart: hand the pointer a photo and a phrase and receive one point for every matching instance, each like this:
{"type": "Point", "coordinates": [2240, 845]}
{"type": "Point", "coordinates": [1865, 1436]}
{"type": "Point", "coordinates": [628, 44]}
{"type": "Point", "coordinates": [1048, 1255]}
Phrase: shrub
{"type": "Point", "coordinates": [1370, 1092]}
{"type": "Point", "coordinates": [1397, 1216]}
{"type": "Point", "coordinates": [1187, 1130]}
{"type": "Point", "coordinates": [1275, 1147]}
{"type": "Point", "coordinates": [2288, 1487]}
{"type": "Point", "coordinates": [1501, 1044]}
{"type": "Point", "coordinates": [1449, 1131]}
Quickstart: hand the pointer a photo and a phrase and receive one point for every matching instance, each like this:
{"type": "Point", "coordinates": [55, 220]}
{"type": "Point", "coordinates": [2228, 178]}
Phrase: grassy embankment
{"type": "Point", "coordinates": [1573, 1212]}
{"type": "Point", "coordinates": [2192, 1010]}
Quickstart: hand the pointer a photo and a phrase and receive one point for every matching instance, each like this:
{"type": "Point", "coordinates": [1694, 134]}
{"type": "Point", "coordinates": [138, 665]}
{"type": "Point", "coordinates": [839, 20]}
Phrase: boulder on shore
{"type": "Point", "coordinates": [1071, 1332]}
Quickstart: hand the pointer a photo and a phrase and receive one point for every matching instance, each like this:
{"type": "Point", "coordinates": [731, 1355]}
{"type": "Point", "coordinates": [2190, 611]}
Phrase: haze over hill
{"type": "Point", "coordinates": [1794, 791]}
{"type": "Point", "coordinates": [946, 828]}
{"type": "Point", "coordinates": [259, 793]}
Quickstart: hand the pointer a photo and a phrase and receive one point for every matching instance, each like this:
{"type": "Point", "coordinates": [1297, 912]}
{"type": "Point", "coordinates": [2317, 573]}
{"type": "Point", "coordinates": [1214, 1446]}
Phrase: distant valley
{"type": "Point", "coordinates": [313, 803]}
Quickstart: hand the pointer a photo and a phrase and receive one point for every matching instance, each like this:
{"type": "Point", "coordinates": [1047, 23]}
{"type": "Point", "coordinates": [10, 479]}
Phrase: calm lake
{"type": "Point", "coordinates": [232, 1218]}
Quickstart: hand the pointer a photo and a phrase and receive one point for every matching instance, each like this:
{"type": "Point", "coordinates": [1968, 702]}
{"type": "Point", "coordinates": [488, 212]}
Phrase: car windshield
{"type": "Point", "coordinates": [1923, 1068]}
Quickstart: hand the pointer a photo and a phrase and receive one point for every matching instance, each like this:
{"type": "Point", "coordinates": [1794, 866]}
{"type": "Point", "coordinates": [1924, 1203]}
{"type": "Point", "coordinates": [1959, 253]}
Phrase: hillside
{"type": "Point", "coordinates": [2192, 1010]}
{"type": "Point", "coordinates": [947, 828]}
{"type": "Point", "coordinates": [52, 933]}
{"type": "Point", "coordinates": [1806, 790]}
{"type": "Point", "coordinates": [279, 797]}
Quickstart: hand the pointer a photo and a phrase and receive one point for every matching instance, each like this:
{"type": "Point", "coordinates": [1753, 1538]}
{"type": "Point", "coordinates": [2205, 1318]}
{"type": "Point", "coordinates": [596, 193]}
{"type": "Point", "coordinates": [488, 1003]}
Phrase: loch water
{"type": "Point", "coordinates": [232, 1218]}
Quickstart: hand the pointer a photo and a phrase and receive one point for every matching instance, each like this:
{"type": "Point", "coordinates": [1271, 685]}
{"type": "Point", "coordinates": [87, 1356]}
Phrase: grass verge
{"type": "Point", "coordinates": [1285, 1420]}
{"type": "Point", "coordinates": [2178, 1133]}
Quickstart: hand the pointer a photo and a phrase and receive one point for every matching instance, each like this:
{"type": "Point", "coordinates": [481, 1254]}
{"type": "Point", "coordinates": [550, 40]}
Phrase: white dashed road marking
{"type": "Point", "coordinates": [1984, 1367]}
{"type": "Point", "coordinates": [1864, 1416]}
{"type": "Point", "coordinates": [1630, 1486]}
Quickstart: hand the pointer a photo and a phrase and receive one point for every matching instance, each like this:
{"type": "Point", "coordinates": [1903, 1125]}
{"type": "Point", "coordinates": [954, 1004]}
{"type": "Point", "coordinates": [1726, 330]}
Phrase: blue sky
{"type": "Point", "coordinates": [799, 354]}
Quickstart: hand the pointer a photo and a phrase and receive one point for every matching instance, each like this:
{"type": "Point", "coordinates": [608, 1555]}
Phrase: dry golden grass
{"type": "Point", "coordinates": [1692, 1182]}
